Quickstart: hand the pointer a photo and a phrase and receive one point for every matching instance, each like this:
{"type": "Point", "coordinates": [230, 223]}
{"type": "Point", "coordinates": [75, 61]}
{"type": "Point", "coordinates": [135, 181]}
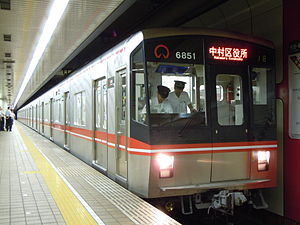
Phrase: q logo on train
{"type": "Point", "coordinates": [161, 51]}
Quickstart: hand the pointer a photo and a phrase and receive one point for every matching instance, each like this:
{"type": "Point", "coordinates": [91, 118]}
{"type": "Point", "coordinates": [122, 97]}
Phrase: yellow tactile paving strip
{"type": "Point", "coordinates": [70, 207]}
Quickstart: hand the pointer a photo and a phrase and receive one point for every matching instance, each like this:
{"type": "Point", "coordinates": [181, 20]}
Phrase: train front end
{"type": "Point", "coordinates": [220, 138]}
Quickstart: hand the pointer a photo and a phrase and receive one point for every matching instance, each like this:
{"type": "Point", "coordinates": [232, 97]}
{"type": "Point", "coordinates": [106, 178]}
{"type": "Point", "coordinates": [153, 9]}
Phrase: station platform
{"type": "Point", "coordinates": [40, 183]}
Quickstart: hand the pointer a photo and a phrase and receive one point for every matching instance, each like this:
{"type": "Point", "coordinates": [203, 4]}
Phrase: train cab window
{"type": "Point", "coordinates": [230, 108]}
{"type": "Point", "coordinates": [80, 109]}
{"type": "Point", "coordinates": [185, 103]}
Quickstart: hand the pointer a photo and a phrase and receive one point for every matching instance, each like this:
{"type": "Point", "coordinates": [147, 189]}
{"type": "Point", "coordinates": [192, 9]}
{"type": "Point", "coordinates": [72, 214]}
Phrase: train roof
{"type": "Point", "coordinates": [163, 32]}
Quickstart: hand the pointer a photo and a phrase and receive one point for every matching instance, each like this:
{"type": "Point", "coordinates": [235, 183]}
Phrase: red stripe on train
{"type": "Point", "coordinates": [136, 144]}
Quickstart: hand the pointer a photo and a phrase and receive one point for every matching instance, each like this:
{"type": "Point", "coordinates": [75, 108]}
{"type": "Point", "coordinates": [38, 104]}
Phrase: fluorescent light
{"type": "Point", "coordinates": [55, 14]}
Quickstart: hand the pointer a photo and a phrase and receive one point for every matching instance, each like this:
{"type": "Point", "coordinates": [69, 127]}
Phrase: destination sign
{"type": "Point", "coordinates": [228, 53]}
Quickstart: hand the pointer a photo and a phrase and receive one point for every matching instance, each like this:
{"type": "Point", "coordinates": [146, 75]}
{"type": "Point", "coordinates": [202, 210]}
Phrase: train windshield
{"type": "Point", "coordinates": [176, 94]}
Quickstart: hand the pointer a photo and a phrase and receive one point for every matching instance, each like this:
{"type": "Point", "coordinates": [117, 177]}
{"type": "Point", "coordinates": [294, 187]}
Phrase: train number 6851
{"type": "Point", "coordinates": [185, 55]}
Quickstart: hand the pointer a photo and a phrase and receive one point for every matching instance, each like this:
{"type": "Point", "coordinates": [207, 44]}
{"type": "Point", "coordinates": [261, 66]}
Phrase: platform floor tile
{"type": "Point", "coordinates": [28, 195]}
{"type": "Point", "coordinates": [24, 196]}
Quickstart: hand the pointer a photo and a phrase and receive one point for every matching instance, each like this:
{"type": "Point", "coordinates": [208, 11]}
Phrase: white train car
{"type": "Point", "coordinates": [103, 114]}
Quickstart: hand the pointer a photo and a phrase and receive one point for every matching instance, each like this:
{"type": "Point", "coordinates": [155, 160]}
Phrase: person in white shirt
{"type": "Point", "coordinates": [163, 105]}
{"type": "Point", "coordinates": [160, 104]}
{"type": "Point", "coordinates": [180, 99]}
{"type": "Point", "coordinates": [2, 119]}
{"type": "Point", "coordinates": [9, 119]}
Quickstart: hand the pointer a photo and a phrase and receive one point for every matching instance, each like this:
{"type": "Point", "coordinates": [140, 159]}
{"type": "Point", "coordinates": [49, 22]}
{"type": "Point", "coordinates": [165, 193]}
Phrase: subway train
{"type": "Point", "coordinates": [217, 156]}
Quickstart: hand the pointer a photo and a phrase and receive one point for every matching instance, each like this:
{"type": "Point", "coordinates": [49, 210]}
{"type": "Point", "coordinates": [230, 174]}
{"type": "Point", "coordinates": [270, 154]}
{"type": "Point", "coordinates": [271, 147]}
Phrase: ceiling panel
{"type": "Point", "coordinates": [24, 22]}
{"type": "Point", "coordinates": [79, 21]}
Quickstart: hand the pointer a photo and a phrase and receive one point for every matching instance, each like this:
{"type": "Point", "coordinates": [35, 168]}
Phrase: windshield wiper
{"type": "Point", "coordinates": [187, 124]}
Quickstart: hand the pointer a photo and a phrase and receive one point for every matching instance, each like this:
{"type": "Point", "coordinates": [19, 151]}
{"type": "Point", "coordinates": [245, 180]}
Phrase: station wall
{"type": "Point", "coordinates": [291, 33]}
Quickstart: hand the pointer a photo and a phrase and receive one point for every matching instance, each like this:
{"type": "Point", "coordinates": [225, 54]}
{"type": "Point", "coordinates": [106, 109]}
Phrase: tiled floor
{"type": "Point", "coordinates": [41, 183]}
{"type": "Point", "coordinates": [24, 196]}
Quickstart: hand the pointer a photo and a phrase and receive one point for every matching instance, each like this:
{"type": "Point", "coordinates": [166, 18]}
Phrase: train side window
{"type": "Point", "coordinates": [45, 112]}
{"type": "Point", "coordinates": [138, 87]}
{"type": "Point", "coordinates": [262, 90]}
{"type": "Point", "coordinates": [61, 109]}
{"type": "Point", "coordinates": [230, 108]}
{"type": "Point", "coordinates": [47, 116]}
{"type": "Point", "coordinates": [83, 110]}
{"type": "Point", "coordinates": [101, 106]}
{"type": "Point", "coordinates": [259, 86]}
{"type": "Point", "coordinates": [98, 107]}
{"type": "Point", "coordinates": [32, 116]}
{"type": "Point", "coordinates": [80, 109]}
{"type": "Point", "coordinates": [57, 109]}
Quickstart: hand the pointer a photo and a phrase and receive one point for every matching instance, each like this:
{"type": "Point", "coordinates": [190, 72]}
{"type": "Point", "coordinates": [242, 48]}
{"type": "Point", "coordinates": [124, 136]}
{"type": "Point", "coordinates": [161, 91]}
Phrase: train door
{"type": "Point", "coordinates": [100, 118]}
{"type": "Point", "coordinates": [36, 116]}
{"type": "Point", "coordinates": [66, 120]}
{"type": "Point", "coordinates": [29, 116]}
{"type": "Point", "coordinates": [39, 116]}
{"type": "Point", "coordinates": [32, 117]}
{"type": "Point", "coordinates": [51, 118]}
{"type": "Point", "coordinates": [230, 122]}
{"type": "Point", "coordinates": [121, 123]}
{"type": "Point", "coordinates": [43, 118]}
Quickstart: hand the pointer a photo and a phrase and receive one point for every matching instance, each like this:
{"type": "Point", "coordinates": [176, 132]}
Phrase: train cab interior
{"type": "Point", "coordinates": [228, 93]}
{"type": "Point", "coordinates": [166, 74]}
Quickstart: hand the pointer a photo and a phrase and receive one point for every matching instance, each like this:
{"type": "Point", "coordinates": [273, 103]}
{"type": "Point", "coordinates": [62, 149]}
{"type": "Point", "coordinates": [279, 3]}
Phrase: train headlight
{"type": "Point", "coordinates": [165, 163]}
{"type": "Point", "coordinates": [263, 159]}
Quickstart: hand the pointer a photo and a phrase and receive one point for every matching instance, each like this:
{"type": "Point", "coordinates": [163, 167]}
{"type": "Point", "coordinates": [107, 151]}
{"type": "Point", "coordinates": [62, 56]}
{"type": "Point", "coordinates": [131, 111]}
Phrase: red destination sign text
{"type": "Point", "coordinates": [228, 54]}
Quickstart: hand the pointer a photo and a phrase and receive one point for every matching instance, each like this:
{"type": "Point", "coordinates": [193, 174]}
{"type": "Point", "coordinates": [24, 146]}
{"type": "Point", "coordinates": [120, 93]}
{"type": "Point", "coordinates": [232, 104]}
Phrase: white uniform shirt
{"type": "Point", "coordinates": [156, 107]}
{"type": "Point", "coordinates": [8, 113]}
{"type": "Point", "coordinates": [2, 114]}
{"type": "Point", "coordinates": [164, 107]}
{"type": "Point", "coordinates": [179, 104]}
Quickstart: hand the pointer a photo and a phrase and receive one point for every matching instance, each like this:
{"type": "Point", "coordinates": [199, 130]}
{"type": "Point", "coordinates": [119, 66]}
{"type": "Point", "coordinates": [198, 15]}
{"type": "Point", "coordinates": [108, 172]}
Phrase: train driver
{"type": "Point", "coordinates": [180, 99]}
{"type": "Point", "coordinates": [160, 104]}
{"type": "Point", "coordinates": [163, 105]}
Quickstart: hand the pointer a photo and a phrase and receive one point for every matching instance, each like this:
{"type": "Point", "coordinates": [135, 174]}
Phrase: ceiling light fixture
{"type": "Point", "coordinates": [55, 14]}
{"type": "Point", "coordinates": [6, 37]}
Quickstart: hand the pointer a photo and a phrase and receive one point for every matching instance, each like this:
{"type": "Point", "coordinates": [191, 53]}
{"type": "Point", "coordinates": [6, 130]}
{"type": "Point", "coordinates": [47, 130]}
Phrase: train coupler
{"type": "Point", "coordinates": [225, 201]}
